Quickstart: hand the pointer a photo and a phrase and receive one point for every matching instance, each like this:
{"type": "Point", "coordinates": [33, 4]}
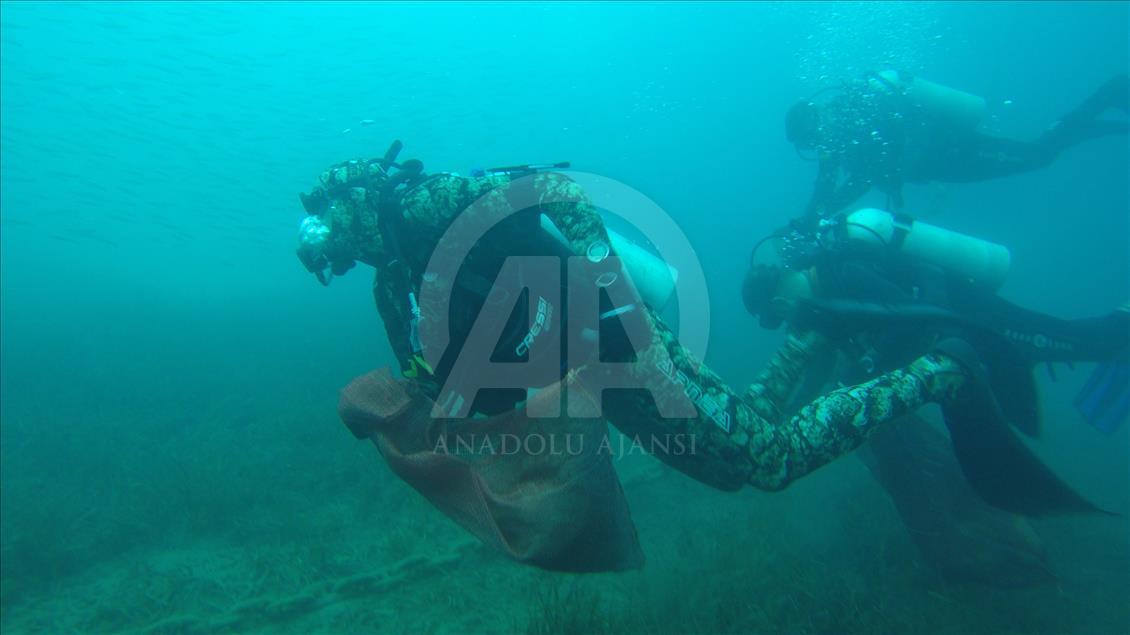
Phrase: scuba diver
{"type": "Point", "coordinates": [884, 288]}
{"type": "Point", "coordinates": [564, 511]}
{"type": "Point", "coordinates": [890, 128]}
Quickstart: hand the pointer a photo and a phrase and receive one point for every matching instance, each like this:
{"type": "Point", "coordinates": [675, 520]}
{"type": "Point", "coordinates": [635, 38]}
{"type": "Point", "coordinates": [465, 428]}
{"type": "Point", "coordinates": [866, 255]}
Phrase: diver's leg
{"type": "Point", "coordinates": [1115, 93]}
{"type": "Point", "coordinates": [979, 157]}
{"type": "Point", "coordinates": [1083, 123]}
{"type": "Point", "coordinates": [1039, 337]}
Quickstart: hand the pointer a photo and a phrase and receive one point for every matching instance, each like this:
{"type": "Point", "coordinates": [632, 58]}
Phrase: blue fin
{"type": "Point", "coordinates": [1104, 400]}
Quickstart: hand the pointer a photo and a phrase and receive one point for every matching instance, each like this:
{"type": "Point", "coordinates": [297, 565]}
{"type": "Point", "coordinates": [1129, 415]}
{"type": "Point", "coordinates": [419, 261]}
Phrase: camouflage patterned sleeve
{"type": "Point", "coordinates": [429, 209]}
{"type": "Point", "coordinates": [735, 440]}
{"type": "Point", "coordinates": [351, 172]}
{"type": "Point", "coordinates": [572, 212]}
{"type": "Point", "coordinates": [839, 422]}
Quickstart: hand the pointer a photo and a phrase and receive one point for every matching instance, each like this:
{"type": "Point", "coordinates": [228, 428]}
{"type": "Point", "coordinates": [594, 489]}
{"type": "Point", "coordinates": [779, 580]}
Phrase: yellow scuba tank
{"type": "Point", "coordinates": [948, 104]}
{"type": "Point", "coordinates": [983, 262]}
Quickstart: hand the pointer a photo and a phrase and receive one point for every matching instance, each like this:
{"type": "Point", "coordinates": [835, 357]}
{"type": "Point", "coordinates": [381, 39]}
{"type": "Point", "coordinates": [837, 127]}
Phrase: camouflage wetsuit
{"type": "Point", "coordinates": [737, 439]}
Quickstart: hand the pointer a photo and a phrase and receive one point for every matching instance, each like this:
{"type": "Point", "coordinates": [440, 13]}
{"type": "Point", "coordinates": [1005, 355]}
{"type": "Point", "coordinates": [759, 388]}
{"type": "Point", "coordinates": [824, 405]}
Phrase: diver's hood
{"type": "Point", "coordinates": [313, 234]}
{"type": "Point", "coordinates": [758, 289]}
{"type": "Point", "coordinates": [776, 280]}
{"type": "Point", "coordinates": [321, 251]}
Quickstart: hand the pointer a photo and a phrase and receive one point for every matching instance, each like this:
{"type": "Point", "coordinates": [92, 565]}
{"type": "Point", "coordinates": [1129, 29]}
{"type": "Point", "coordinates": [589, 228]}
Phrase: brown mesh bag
{"type": "Point", "coordinates": [558, 506]}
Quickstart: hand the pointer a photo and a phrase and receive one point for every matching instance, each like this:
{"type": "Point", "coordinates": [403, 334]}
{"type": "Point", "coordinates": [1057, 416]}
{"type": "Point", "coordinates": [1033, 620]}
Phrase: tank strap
{"type": "Point", "coordinates": [896, 89]}
{"type": "Point", "coordinates": [389, 222]}
{"type": "Point", "coordinates": [902, 224]}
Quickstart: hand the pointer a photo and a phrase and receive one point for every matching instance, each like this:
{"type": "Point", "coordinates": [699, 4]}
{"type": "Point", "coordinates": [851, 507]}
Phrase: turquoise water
{"type": "Point", "coordinates": [170, 455]}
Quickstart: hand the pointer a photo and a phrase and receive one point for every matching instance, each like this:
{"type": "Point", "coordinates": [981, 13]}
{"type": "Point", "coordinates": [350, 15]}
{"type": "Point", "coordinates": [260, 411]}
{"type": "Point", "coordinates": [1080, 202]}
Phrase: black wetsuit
{"type": "Point", "coordinates": [879, 139]}
{"type": "Point", "coordinates": [887, 314]}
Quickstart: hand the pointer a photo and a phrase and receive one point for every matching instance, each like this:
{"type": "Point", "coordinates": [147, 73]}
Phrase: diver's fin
{"type": "Point", "coordinates": [1115, 93]}
{"type": "Point", "coordinates": [1014, 387]}
{"type": "Point", "coordinates": [1003, 471]}
{"type": "Point", "coordinates": [996, 463]}
{"type": "Point", "coordinates": [1104, 400]}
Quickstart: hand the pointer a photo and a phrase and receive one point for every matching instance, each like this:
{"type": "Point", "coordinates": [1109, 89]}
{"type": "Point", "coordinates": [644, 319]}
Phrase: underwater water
{"type": "Point", "coordinates": [171, 459]}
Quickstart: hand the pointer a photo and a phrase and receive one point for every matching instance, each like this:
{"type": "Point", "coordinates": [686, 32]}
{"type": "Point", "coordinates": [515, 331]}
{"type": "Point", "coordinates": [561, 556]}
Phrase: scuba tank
{"type": "Point", "coordinates": [653, 278]}
{"type": "Point", "coordinates": [956, 107]}
{"type": "Point", "coordinates": [517, 171]}
{"type": "Point", "coordinates": [984, 263]}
